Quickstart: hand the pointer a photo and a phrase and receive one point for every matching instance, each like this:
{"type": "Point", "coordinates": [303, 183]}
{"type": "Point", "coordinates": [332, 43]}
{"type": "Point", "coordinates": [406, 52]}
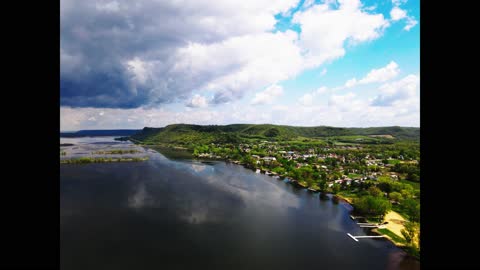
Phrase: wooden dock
{"type": "Point", "coordinates": [364, 236]}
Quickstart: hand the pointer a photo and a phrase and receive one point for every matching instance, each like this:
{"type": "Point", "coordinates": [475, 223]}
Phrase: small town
{"type": "Point", "coordinates": [379, 180]}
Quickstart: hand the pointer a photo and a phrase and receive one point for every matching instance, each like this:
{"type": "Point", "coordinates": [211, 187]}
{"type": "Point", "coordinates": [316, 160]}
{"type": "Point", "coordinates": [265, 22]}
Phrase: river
{"type": "Point", "coordinates": [187, 214]}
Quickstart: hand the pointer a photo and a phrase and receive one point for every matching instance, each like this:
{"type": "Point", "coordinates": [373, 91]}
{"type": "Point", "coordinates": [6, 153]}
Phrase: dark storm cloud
{"type": "Point", "coordinates": [100, 38]}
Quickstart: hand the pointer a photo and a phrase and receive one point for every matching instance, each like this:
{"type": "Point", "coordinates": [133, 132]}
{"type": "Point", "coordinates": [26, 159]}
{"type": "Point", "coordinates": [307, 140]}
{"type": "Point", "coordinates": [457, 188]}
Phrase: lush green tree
{"type": "Point", "coordinates": [335, 188]}
{"type": "Point", "coordinates": [410, 232]}
{"type": "Point", "coordinates": [412, 209]}
{"type": "Point", "coordinates": [375, 191]}
{"type": "Point", "coordinates": [372, 206]}
{"type": "Point", "coordinates": [385, 186]}
{"type": "Point", "coordinates": [396, 196]}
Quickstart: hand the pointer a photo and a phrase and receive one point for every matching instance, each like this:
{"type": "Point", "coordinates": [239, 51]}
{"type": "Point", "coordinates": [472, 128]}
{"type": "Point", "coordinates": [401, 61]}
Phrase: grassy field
{"type": "Point", "coordinates": [394, 237]}
{"type": "Point", "coordinates": [415, 185]}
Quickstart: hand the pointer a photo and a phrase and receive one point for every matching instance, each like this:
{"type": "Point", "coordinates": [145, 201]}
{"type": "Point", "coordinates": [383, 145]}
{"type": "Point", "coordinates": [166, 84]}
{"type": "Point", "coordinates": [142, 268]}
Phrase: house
{"type": "Point", "coordinates": [269, 158]}
{"type": "Point", "coordinates": [255, 156]}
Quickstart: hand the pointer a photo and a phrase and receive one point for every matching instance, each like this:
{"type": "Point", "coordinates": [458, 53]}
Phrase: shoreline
{"type": "Point", "coordinates": [301, 185]}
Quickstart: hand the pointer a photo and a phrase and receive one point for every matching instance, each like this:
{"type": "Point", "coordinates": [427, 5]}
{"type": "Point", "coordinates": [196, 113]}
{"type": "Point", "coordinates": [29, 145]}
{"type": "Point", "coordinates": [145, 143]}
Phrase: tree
{"type": "Point", "coordinates": [410, 232]}
{"type": "Point", "coordinates": [412, 209]}
{"type": "Point", "coordinates": [385, 186]}
{"type": "Point", "coordinates": [335, 188]}
{"type": "Point", "coordinates": [396, 196]}
{"type": "Point", "coordinates": [375, 191]}
{"type": "Point", "coordinates": [372, 206]}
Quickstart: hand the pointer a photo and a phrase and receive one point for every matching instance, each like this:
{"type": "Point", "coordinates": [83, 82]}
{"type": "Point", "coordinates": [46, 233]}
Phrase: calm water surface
{"type": "Point", "coordinates": [186, 214]}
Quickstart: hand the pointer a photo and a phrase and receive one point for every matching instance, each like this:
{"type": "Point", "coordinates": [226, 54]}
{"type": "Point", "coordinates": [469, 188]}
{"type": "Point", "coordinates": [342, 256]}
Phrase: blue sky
{"type": "Point", "coordinates": [283, 62]}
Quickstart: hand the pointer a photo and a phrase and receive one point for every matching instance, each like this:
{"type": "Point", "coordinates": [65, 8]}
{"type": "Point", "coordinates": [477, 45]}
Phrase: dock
{"type": "Point", "coordinates": [364, 236]}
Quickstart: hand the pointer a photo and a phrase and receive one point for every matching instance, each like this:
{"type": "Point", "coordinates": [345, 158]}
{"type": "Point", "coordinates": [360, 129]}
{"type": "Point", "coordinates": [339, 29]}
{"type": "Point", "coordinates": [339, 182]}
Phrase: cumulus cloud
{"type": "Point", "coordinates": [411, 22]}
{"type": "Point", "coordinates": [351, 83]}
{"type": "Point", "coordinates": [398, 91]}
{"type": "Point", "coordinates": [325, 29]}
{"type": "Point", "coordinates": [131, 54]}
{"type": "Point", "coordinates": [308, 3]}
{"type": "Point", "coordinates": [268, 95]}
{"type": "Point", "coordinates": [197, 101]}
{"type": "Point", "coordinates": [308, 98]}
{"type": "Point", "coordinates": [348, 110]}
{"type": "Point", "coordinates": [126, 53]}
{"type": "Point", "coordinates": [397, 14]}
{"type": "Point", "coordinates": [383, 74]}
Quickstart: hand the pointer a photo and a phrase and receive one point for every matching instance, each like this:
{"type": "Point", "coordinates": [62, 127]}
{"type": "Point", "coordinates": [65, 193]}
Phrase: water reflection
{"type": "Point", "coordinates": [158, 213]}
{"type": "Point", "coordinates": [140, 198]}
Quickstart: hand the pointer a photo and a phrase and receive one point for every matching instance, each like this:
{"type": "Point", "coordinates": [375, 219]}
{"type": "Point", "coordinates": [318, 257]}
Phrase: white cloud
{"type": "Point", "coordinates": [340, 100]}
{"type": "Point", "coordinates": [397, 14]}
{"type": "Point", "coordinates": [188, 46]}
{"type": "Point", "coordinates": [197, 101]}
{"type": "Point", "coordinates": [325, 30]}
{"type": "Point", "coordinates": [411, 22]}
{"type": "Point", "coordinates": [323, 72]}
{"type": "Point", "coordinates": [139, 69]}
{"type": "Point", "coordinates": [242, 63]}
{"type": "Point", "coordinates": [404, 90]}
{"type": "Point", "coordinates": [308, 98]}
{"type": "Point", "coordinates": [351, 83]}
{"type": "Point", "coordinates": [268, 95]}
{"type": "Point", "coordinates": [347, 110]}
{"type": "Point", "coordinates": [398, 2]}
{"type": "Point", "coordinates": [383, 74]}
{"type": "Point", "coordinates": [308, 3]}
{"type": "Point", "coordinates": [321, 90]}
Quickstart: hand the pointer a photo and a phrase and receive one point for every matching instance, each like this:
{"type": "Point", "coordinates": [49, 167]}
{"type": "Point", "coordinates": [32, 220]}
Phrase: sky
{"type": "Point", "coordinates": [133, 64]}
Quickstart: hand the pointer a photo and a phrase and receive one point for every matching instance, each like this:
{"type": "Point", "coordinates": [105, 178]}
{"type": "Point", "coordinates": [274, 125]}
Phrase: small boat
{"type": "Point", "coordinates": [312, 190]}
{"type": "Point", "coordinates": [257, 171]}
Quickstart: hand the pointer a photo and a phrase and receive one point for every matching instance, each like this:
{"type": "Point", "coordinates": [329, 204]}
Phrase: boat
{"type": "Point", "coordinates": [257, 171]}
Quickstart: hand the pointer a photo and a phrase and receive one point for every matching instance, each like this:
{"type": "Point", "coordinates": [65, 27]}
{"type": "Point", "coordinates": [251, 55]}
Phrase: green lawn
{"type": "Point", "coordinates": [354, 175]}
{"type": "Point", "coordinates": [392, 235]}
{"type": "Point", "coordinates": [393, 161]}
{"type": "Point", "coordinates": [415, 185]}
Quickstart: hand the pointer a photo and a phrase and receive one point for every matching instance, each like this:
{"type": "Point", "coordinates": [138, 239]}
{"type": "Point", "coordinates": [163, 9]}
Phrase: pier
{"type": "Point", "coordinates": [364, 236]}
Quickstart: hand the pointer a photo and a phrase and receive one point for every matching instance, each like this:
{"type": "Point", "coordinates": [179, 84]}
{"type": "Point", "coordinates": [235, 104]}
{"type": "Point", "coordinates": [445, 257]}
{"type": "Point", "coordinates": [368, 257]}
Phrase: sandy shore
{"type": "Point", "coordinates": [395, 222]}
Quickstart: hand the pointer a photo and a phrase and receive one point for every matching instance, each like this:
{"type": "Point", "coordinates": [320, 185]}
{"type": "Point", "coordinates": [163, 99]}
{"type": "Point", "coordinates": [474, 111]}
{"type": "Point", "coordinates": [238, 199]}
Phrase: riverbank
{"type": "Point", "coordinates": [391, 230]}
{"type": "Point", "coordinates": [395, 221]}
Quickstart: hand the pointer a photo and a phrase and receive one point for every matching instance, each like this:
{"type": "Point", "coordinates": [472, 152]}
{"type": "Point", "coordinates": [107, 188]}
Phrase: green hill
{"type": "Point", "coordinates": [185, 134]}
